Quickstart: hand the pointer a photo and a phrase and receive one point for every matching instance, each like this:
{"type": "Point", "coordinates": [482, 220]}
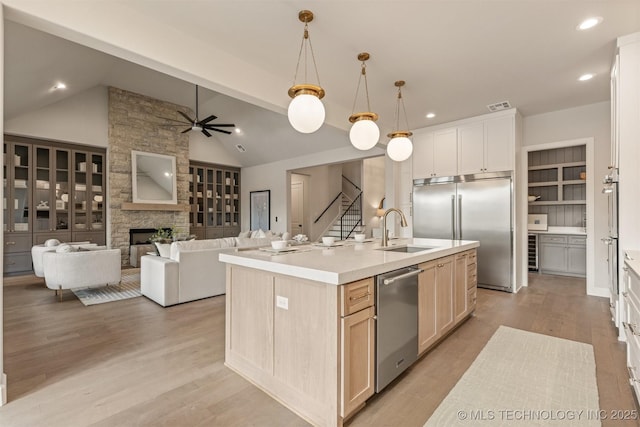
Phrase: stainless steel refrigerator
{"type": "Point", "coordinates": [471, 207]}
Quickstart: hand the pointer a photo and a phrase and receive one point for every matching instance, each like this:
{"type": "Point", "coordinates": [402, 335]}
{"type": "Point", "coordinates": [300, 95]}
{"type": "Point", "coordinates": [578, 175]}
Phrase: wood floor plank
{"type": "Point", "coordinates": [134, 363]}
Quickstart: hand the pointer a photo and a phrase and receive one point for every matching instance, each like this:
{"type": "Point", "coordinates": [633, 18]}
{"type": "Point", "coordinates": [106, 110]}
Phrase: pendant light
{"type": "Point", "coordinates": [400, 146]}
{"type": "Point", "coordinates": [306, 112]}
{"type": "Point", "coordinates": [364, 133]}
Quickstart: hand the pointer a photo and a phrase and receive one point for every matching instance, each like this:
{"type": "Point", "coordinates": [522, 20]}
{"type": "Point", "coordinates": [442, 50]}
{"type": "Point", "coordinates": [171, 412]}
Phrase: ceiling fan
{"type": "Point", "coordinates": [200, 125]}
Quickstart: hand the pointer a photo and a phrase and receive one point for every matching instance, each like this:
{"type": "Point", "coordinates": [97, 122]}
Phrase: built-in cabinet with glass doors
{"type": "Point", "coordinates": [214, 196]}
{"type": "Point", "coordinates": [51, 191]}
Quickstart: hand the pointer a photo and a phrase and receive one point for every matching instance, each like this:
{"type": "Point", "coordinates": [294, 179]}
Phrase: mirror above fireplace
{"type": "Point", "coordinates": [153, 178]}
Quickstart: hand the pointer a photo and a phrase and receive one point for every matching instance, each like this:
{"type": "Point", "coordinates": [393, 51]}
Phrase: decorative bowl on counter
{"type": "Point", "coordinates": [533, 198]}
{"type": "Point", "coordinates": [279, 244]}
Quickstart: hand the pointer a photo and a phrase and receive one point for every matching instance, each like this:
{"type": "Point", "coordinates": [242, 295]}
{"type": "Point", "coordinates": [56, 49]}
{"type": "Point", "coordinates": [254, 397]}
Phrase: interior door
{"type": "Point", "coordinates": [297, 208]}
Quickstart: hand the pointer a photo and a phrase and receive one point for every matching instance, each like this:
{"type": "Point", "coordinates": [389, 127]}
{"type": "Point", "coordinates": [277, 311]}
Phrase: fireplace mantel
{"type": "Point", "coordinates": [154, 207]}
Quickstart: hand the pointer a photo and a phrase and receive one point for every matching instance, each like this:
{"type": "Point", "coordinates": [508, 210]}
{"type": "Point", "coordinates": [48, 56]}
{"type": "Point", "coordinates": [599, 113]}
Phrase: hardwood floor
{"type": "Point", "coordinates": [133, 362]}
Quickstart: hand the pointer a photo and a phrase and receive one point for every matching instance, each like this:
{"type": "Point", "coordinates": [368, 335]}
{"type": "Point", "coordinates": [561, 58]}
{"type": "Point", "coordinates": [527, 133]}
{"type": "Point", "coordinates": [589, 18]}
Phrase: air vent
{"type": "Point", "coordinates": [504, 105]}
{"type": "Point", "coordinates": [240, 148]}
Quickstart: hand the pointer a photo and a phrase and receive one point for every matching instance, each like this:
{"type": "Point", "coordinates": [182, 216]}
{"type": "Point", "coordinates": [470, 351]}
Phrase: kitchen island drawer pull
{"type": "Point", "coordinates": [402, 276]}
{"type": "Point", "coordinates": [9, 243]}
{"type": "Point", "coordinates": [359, 297]}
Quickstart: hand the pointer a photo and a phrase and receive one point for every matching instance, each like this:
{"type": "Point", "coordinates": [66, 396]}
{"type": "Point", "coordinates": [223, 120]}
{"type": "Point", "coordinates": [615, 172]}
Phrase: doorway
{"type": "Point", "coordinates": [563, 188]}
{"type": "Point", "coordinates": [299, 223]}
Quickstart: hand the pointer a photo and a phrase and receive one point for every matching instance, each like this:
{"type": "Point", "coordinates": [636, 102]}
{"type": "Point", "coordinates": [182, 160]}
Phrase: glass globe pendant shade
{"type": "Point", "coordinates": [399, 148]}
{"type": "Point", "coordinates": [364, 134]}
{"type": "Point", "coordinates": [306, 113]}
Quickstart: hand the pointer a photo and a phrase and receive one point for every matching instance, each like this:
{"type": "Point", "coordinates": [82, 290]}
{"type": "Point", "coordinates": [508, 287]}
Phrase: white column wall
{"type": "Point", "coordinates": [3, 377]}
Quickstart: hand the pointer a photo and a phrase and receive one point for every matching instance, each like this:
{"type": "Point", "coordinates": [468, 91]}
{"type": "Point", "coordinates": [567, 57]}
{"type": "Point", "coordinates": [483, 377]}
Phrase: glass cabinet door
{"type": "Point", "coordinates": [235, 206]}
{"type": "Point", "coordinates": [5, 189]}
{"type": "Point", "coordinates": [42, 194]}
{"type": "Point", "coordinates": [219, 205]}
{"type": "Point", "coordinates": [21, 184]}
{"type": "Point", "coordinates": [80, 194]}
{"type": "Point", "coordinates": [210, 197]}
{"type": "Point", "coordinates": [96, 205]}
{"type": "Point", "coordinates": [61, 190]}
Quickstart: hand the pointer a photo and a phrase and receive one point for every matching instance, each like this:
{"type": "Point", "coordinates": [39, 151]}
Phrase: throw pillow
{"type": "Point", "coordinates": [64, 248]}
{"type": "Point", "coordinates": [51, 242]}
{"type": "Point", "coordinates": [258, 234]}
{"type": "Point", "coordinates": [164, 249]}
{"type": "Point", "coordinates": [245, 234]}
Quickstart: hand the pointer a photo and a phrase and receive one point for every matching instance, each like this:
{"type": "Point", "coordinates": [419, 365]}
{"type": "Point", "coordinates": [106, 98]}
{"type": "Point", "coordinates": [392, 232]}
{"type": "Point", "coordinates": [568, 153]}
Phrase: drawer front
{"type": "Point", "coordinates": [14, 242]}
{"type": "Point", "coordinates": [356, 296]}
{"type": "Point", "coordinates": [472, 256]}
{"type": "Point", "coordinates": [16, 263]}
{"type": "Point", "coordinates": [633, 364]}
{"type": "Point", "coordinates": [214, 233]}
{"type": "Point", "coordinates": [99, 238]}
{"type": "Point", "coordinates": [40, 238]}
{"type": "Point", "coordinates": [633, 286]}
{"type": "Point", "coordinates": [551, 238]}
{"type": "Point", "coordinates": [578, 240]}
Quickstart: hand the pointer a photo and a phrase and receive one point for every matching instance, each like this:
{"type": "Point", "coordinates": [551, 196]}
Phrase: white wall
{"type": "Point", "coordinates": [592, 120]}
{"type": "Point", "coordinates": [273, 176]}
{"type": "Point", "coordinates": [373, 186]}
{"type": "Point", "coordinates": [81, 119]}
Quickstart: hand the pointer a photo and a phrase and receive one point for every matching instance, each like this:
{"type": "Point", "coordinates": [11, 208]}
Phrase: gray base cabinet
{"type": "Point", "coordinates": [563, 254]}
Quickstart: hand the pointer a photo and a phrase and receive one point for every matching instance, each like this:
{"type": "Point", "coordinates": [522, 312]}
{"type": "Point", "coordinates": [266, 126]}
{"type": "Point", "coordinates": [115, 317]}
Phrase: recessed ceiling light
{"type": "Point", "coordinates": [589, 23]}
{"type": "Point", "coordinates": [585, 77]}
{"type": "Point", "coordinates": [430, 115]}
{"type": "Point", "coordinates": [238, 130]}
{"type": "Point", "coordinates": [60, 85]}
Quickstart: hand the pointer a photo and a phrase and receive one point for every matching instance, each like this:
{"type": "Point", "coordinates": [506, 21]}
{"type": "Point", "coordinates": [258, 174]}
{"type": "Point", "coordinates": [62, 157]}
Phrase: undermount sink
{"type": "Point", "coordinates": [406, 249]}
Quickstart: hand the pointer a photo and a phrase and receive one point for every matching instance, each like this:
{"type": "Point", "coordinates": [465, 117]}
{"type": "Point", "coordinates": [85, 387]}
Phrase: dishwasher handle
{"type": "Point", "coordinates": [390, 280]}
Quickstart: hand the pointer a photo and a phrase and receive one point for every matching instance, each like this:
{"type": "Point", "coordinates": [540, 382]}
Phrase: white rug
{"type": "Point", "coordinates": [527, 379]}
{"type": "Point", "coordinates": [129, 287]}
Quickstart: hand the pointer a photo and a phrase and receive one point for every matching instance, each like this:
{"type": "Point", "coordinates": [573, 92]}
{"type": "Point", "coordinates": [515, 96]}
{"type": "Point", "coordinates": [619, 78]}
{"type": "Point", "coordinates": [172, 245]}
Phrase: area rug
{"type": "Point", "coordinates": [129, 287]}
{"type": "Point", "coordinates": [524, 378]}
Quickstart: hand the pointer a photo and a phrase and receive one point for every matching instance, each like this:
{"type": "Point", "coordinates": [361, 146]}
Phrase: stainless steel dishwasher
{"type": "Point", "coordinates": [396, 324]}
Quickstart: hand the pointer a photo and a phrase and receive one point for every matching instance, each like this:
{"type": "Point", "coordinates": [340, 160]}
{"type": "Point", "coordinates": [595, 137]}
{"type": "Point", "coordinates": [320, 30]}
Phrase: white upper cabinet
{"type": "Point", "coordinates": [471, 148]}
{"type": "Point", "coordinates": [476, 145]}
{"type": "Point", "coordinates": [434, 153]}
{"type": "Point", "coordinates": [445, 152]}
{"type": "Point", "coordinates": [486, 146]}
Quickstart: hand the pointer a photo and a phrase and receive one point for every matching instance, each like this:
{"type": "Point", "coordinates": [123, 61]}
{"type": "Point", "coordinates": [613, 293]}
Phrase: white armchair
{"type": "Point", "coordinates": [81, 269]}
{"type": "Point", "coordinates": [38, 250]}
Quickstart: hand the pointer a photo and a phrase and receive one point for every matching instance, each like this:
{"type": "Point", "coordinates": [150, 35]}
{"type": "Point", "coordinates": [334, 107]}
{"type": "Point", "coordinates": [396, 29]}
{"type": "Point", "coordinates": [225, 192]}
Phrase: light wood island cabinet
{"type": "Point", "coordinates": [307, 338]}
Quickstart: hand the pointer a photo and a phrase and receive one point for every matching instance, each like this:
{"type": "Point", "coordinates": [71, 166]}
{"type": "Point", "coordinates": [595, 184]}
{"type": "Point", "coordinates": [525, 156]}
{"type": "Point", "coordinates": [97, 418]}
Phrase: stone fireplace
{"type": "Point", "coordinates": [134, 125]}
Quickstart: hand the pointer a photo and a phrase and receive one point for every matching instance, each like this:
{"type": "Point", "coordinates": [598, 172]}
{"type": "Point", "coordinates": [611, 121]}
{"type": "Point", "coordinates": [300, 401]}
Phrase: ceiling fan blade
{"type": "Point", "coordinates": [186, 130]}
{"type": "Point", "coordinates": [219, 130]}
{"type": "Point", "coordinates": [220, 125]}
{"type": "Point", "coordinates": [208, 119]}
{"type": "Point", "coordinates": [186, 117]}
{"type": "Point", "coordinates": [205, 132]}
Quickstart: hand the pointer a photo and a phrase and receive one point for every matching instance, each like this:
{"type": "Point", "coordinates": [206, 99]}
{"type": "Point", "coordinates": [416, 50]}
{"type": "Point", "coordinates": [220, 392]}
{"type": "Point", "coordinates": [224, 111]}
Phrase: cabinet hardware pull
{"type": "Point", "coordinates": [632, 378]}
{"type": "Point", "coordinates": [440, 265]}
{"type": "Point", "coordinates": [402, 276]}
{"type": "Point", "coordinates": [625, 294]}
{"type": "Point", "coordinates": [9, 243]}
{"type": "Point", "coordinates": [631, 327]}
{"type": "Point", "coordinates": [359, 297]}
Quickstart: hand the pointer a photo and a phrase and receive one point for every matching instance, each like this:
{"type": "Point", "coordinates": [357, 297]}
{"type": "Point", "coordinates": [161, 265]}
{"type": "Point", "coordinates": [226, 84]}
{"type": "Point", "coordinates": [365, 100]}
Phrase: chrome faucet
{"type": "Point", "coordinates": [385, 232]}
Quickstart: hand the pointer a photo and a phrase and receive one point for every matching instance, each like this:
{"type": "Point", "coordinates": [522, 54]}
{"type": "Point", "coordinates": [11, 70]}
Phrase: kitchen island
{"type": "Point", "coordinates": [301, 324]}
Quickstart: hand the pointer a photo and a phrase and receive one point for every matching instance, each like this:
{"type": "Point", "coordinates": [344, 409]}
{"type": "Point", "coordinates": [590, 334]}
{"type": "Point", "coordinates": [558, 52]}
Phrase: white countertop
{"type": "Point", "coordinates": [632, 259]}
{"type": "Point", "coordinates": [346, 263]}
{"type": "Point", "coordinates": [561, 230]}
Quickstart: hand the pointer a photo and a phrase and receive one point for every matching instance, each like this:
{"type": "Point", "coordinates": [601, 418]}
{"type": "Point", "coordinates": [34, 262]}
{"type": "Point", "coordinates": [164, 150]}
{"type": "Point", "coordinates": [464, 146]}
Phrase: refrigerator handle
{"type": "Point", "coordinates": [460, 216]}
{"type": "Point", "coordinates": [453, 217]}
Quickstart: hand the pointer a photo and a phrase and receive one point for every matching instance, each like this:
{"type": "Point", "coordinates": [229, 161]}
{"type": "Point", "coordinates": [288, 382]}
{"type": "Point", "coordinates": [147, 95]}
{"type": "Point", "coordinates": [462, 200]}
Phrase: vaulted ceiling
{"type": "Point", "coordinates": [456, 57]}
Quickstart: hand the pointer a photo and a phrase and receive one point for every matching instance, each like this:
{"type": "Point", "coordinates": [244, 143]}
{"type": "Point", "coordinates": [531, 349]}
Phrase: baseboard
{"type": "Point", "coordinates": [599, 292]}
{"type": "Point", "coordinates": [3, 389]}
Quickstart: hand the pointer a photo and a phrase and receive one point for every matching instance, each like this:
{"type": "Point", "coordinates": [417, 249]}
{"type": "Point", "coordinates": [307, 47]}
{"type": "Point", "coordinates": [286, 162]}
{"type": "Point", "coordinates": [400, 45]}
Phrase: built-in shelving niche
{"type": "Point", "coordinates": [558, 177]}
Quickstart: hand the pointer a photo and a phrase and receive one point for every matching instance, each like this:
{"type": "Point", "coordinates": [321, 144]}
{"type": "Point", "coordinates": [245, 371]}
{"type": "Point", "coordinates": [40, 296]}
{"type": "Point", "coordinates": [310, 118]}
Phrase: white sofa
{"type": "Point", "coordinates": [192, 270]}
{"type": "Point", "coordinates": [81, 269]}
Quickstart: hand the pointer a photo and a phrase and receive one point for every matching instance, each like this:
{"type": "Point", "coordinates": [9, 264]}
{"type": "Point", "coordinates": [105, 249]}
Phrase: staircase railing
{"type": "Point", "coordinates": [351, 218]}
{"type": "Point", "coordinates": [327, 208]}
